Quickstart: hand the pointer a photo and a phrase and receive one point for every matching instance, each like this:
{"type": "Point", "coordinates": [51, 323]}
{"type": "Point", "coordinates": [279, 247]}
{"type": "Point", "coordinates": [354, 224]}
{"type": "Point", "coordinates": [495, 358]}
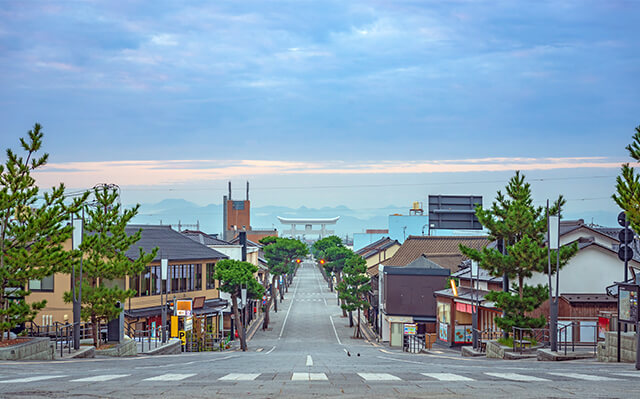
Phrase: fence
{"type": "Point", "coordinates": [149, 338]}
{"type": "Point", "coordinates": [486, 335]}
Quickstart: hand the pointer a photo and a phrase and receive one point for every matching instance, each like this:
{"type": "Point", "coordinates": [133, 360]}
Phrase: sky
{"type": "Point", "coordinates": [357, 103]}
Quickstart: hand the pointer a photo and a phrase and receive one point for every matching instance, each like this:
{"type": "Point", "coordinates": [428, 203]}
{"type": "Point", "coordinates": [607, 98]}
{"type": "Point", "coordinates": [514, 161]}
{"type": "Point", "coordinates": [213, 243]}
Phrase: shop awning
{"type": "Point", "coordinates": [427, 319]}
{"type": "Point", "coordinates": [214, 305]}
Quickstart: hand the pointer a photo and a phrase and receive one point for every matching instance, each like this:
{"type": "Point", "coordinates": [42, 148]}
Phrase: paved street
{"type": "Point", "coordinates": [309, 352]}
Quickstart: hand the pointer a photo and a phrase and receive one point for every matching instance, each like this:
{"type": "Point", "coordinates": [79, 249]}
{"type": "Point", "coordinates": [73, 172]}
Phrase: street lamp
{"type": "Point", "coordinates": [76, 240]}
{"type": "Point", "coordinates": [164, 266]}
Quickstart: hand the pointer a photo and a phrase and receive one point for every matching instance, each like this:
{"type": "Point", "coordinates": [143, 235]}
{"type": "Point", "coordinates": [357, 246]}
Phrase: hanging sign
{"type": "Point", "coordinates": [184, 307]}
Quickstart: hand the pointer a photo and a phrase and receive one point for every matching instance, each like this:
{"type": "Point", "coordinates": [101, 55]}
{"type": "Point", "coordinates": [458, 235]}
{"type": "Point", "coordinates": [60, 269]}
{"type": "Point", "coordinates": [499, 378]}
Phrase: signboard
{"type": "Point", "coordinates": [410, 329]}
{"type": "Point", "coordinates": [184, 307]}
{"type": "Point", "coordinates": [454, 212]}
{"type": "Point", "coordinates": [174, 326]}
{"type": "Point", "coordinates": [188, 323]}
{"type": "Point", "coordinates": [628, 303]}
{"type": "Point", "coordinates": [462, 334]}
{"type": "Point", "coordinates": [164, 266]}
{"type": "Point", "coordinates": [443, 332]}
{"type": "Point", "coordinates": [182, 334]}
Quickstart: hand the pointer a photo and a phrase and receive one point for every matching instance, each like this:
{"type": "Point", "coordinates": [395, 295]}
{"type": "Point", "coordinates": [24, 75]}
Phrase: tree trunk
{"type": "Point", "coordinates": [94, 330]}
{"type": "Point", "coordinates": [359, 334]}
{"type": "Point", "coordinates": [238, 323]}
{"type": "Point", "coordinates": [521, 288]}
{"type": "Point", "coordinates": [350, 319]}
{"type": "Point", "coordinates": [342, 301]}
{"type": "Point", "coordinates": [274, 294]}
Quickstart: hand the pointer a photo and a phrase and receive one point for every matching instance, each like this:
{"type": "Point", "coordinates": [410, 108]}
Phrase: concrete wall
{"type": "Point", "coordinates": [590, 271]}
{"type": "Point", "coordinates": [31, 349]}
{"type": "Point", "coordinates": [413, 224]}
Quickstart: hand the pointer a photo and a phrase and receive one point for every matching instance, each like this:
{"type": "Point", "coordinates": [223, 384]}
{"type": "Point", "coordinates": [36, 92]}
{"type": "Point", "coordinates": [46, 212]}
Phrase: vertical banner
{"type": "Point", "coordinates": [554, 232]}
{"type": "Point", "coordinates": [76, 238]}
{"type": "Point", "coordinates": [164, 265]}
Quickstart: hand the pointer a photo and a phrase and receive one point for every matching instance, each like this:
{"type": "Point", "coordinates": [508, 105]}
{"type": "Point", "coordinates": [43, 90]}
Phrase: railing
{"type": "Point", "coordinates": [486, 335]}
{"type": "Point", "coordinates": [563, 332]}
{"type": "Point", "coordinates": [418, 342]}
{"type": "Point", "coordinates": [524, 338]}
{"type": "Point", "coordinates": [149, 337]}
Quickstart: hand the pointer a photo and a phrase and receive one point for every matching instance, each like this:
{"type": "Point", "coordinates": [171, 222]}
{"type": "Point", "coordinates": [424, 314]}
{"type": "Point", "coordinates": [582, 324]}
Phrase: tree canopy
{"type": "Point", "coordinates": [627, 194]}
{"type": "Point", "coordinates": [33, 228]}
{"type": "Point", "coordinates": [523, 226]}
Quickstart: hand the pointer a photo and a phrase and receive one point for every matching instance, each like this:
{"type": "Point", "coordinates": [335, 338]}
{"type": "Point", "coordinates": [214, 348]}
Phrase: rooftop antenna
{"type": "Point", "coordinates": [247, 191]}
{"type": "Point", "coordinates": [229, 191]}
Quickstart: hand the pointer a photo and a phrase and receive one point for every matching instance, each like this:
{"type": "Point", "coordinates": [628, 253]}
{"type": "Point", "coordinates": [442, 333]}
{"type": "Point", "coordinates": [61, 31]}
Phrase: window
{"type": "Point", "coordinates": [444, 312]}
{"type": "Point", "coordinates": [198, 278]}
{"type": "Point", "coordinates": [46, 284]}
{"type": "Point", "coordinates": [211, 271]}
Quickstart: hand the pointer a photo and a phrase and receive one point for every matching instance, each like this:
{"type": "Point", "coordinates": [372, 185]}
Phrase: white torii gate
{"type": "Point", "coordinates": [308, 224]}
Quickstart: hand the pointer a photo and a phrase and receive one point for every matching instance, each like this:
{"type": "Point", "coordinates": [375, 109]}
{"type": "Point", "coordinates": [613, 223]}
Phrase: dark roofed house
{"type": "Point", "coordinates": [189, 276]}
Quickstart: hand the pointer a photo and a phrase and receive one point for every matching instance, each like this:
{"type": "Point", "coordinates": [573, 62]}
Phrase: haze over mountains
{"type": "Point", "coordinates": [174, 211]}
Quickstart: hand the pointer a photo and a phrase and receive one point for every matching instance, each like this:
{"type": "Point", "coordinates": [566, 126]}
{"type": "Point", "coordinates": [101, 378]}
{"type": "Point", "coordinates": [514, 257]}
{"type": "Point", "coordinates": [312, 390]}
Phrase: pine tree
{"type": "Point", "coordinates": [514, 219]}
{"type": "Point", "coordinates": [104, 246]}
{"type": "Point", "coordinates": [32, 231]}
{"type": "Point", "coordinates": [628, 186]}
{"type": "Point", "coordinates": [336, 258]}
{"type": "Point", "coordinates": [353, 288]}
{"type": "Point", "coordinates": [280, 254]}
{"type": "Point", "coordinates": [233, 275]}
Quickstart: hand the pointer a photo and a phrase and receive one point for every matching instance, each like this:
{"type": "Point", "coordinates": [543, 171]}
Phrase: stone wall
{"type": "Point", "coordinates": [495, 350]}
{"type": "Point", "coordinates": [126, 348]}
{"type": "Point", "coordinates": [608, 350]}
{"type": "Point", "coordinates": [30, 349]}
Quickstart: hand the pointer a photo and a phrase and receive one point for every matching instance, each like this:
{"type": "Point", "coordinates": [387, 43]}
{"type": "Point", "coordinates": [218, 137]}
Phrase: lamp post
{"type": "Point", "coordinates": [474, 307]}
{"type": "Point", "coordinates": [76, 240]}
{"type": "Point", "coordinates": [553, 229]}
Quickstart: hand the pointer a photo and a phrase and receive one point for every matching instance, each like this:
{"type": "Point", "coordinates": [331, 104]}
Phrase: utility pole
{"type": "Point", "coordinates": [76, 290]}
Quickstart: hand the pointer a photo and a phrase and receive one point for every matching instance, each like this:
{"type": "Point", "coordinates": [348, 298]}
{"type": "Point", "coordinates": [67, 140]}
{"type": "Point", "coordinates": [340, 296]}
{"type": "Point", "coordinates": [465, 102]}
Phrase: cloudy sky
{"type": "Point", "coordinates": [375, 102]}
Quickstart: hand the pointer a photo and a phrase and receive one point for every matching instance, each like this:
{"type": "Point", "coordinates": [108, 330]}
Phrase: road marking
{"type": "Point", "coordinates": [182, 364]}
{"type": "Point", "coordinates": [170, 377]}
{"type": "Point", "coordinates": [239, 377]}
{"type": "Point", "coordinates": [284, 323]}
{"type": "Point", "coordinates": [317, 377]}
{"type": "Point", "coordinates": [334, 330]}
{"type": "Point", "coordinates": [636, 374]}
{"type": "Point", "coordinates": [32, 379]}
{"type": "Point", "coordinates": [309, 360]}
{"type": "Point", "coordinates": [270, 350]}
{"type": "Point", "coordinates": [586, 377]}
{"type": "Point", "coordinates": [516, 377]}
{"type": "Point", "coordinates": [447, 377]}
{"type": "Point", "coordinates": [98, 378]}
{"type": "Point", "coordinates": [398, 360]}
{"type": "Point", "coordinates": [379, 377]}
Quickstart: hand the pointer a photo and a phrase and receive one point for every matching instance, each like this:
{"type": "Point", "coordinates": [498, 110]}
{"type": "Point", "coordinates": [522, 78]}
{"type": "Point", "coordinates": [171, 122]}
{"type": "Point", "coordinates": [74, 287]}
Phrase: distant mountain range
{"type": "Point", "coordinates": [174, 211]}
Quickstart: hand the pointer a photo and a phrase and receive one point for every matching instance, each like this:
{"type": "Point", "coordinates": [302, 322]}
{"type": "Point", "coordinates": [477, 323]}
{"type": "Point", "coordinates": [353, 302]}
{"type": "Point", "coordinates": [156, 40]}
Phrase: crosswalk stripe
{"type": "Point", "coordinates": [309, 377]}
{"type": "Point", "coordinates": [629, 374]}
{"type": "Point", "coordinates": [32, 379]}
{"type": "Point", "coordinates": [586, 377]}
{"type": "Point", "coordinates": [239, 377]}
{"type": "Point", "coordinates": [379, 377]}
{"type": "Point", "coordinates": [447, 377]}
{"type": "Point", "coordinates": [516, 377]}
{"type": "Point", "coordinates": [97, 378]}
{"type": "Point", "coordinates": [169, 377]}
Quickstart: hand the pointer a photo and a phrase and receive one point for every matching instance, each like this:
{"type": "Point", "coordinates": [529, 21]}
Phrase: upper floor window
{"type": "Point", "coordinates": [46, 284]}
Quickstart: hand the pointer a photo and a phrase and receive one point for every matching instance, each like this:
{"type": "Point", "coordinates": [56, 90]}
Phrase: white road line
{"type": "Point", "coordinates": [284, 323]}
{"type": "Point", "coordinates": [271, 350]}
{"type": "Point", "coordinates": [300, 377]}
{"type": "Point", "coordinates": [239, 377]}
{"type": "Point", "coordinates": [379, 377]}
{"type": "Point", "coordinates": [309, 360]}
{"type": "Point", "coordinates": [32, 379]}
{"type": "Point", "coordinates": [317, 377]}
{"type": "Point", "coordinates": [447, 377]}
{"type": "Point", "coordinates": [399, 360]}
{"type": "Point", "coordinates": [629, 374]}
{"type": "Point", "coordinates": [181, 364]}
{"type": "Point", "coordinates": [334, 330]}
{"type": "Point", "coordinates": [586, 377]}
{"type": "Point", "coordinates": [98, 378]}
{"type": "Point", "coordinates": [170, 377]}
{"type": "Point", "coordinates": [516, 377]}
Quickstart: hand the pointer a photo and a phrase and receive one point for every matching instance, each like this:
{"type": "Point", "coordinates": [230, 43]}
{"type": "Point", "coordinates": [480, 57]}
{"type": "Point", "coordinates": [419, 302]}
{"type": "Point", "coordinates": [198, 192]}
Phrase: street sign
{"type": "Point", "coordinates": [625, 236]}
{"type": "Point", "coordinates": [243, 296]}
{"type": "Point", "coordinates": [454, 212]}
{"type": "Point", "coordinates": [622, 219]}
{"type": "Point", "coordinates": [628, 303]}
{"type": "Point", "coordinates": [188, 323]}
{"type": "Point", "coordinates": [182, 334]}
{"type": "Point", "coordinates": [184, 307]}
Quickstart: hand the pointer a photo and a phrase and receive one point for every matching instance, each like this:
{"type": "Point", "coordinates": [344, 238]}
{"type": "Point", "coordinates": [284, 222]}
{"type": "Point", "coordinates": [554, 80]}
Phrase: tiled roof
{"type": "Point", "coordinates": [376, 246]}
{"type": "Point", "coordinates": [204, 239]}
{"type": "Point", "coordinates": [484, 275]}
{"type": "Point", "coordinates": [588, 298]}
{"type": "Point", "coordinates": [236, 241]}
{"type": "Point", "coordinates": [423, 261]}
{"type": "Point", "coordinates": [171, 244]}
{"type": "Point", "coordinates": [442, 250]}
